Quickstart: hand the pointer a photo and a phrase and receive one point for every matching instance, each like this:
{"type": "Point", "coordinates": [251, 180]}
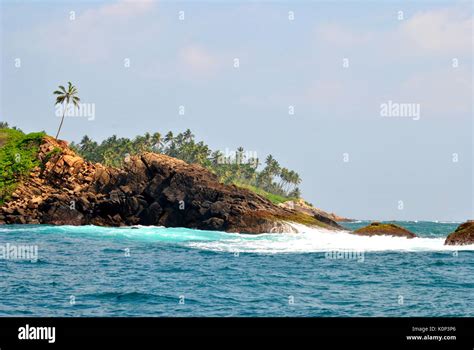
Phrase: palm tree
{"type": "Point", "coordinates": [296, 193]}
{"type": "Point", "coordinates": [65, 97]}
{"type": "Point", "coordinates": [147, 140]}
{"type": "Point", "coordinates": [239, 155]}
{"type": "Point", "coordinates": [274, 168]}
{"type": "Point", "coordinates": [169, 137]}
{"type": "Point", "coordinates": [294, 178]}
{"type": "Point", "coordinates": [284, 176]}
{"type": "Point", "coordinates": [188, 135]}
{"type": "Point", "coordinates": [156, 141]}
{"type": "Point", "coordinates": [216, 158]}
{"type": "Point", "coordinates": [269, 160]}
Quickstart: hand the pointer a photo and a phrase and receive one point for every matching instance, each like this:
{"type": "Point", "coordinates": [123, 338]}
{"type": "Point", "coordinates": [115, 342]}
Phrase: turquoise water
{"type": "Point", "coordinates": [152, 271]}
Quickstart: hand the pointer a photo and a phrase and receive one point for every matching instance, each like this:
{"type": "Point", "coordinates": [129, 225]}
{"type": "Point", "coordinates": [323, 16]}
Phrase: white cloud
{"type": "Point", "coordinates": [447, 31]}
{"type": "Point", "coordinates": [95, 34]}
{"type": "Point", "coordinates": [444, 31]}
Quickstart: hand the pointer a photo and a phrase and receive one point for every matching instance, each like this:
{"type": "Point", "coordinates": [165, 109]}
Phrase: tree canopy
{"type": "Point", "coordinates": [240, 168]}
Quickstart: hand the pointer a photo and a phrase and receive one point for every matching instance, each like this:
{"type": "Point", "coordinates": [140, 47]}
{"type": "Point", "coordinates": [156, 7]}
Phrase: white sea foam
{"type": "Point", "coordinates": [320, 240]}
{"type": "Point", "coordinates": [307, 239]}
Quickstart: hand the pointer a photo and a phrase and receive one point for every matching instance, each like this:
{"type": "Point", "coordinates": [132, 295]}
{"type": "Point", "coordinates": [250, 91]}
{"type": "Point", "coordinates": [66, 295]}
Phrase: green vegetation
{"type": "Point", "coordinates": [65, 97]}
{"type": "Point", "coordinates": [18, 152]}
{"type": "Point", "coordinates": [241, 168]}
{"type": "Point", "coordinates": [274, 198]}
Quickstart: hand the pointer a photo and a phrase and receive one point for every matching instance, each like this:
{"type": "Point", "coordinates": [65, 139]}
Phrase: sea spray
{"type": "Point", "coordinates": [311, 239]}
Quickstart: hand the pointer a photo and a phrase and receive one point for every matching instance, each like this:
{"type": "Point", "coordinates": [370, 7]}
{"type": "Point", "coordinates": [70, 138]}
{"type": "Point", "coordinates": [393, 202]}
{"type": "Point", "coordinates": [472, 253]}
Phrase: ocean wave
{"type": "Point", "coordinates": [310, 240]}
{"type": "Point", "coordinates": [307, 239]}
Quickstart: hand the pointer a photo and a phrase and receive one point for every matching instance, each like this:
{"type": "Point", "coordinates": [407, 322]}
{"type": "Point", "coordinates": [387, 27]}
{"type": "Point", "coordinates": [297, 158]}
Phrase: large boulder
{"type": "Point", "coordinates": [384, 229]}
{"type": "Point", "coordinates": [464, 234]}
{"type": "Point", "coordinates": [63, 216]}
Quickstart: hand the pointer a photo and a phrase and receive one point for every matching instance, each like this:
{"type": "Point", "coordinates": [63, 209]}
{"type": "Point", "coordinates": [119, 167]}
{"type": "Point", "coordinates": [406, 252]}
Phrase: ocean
{"type": "Point", "coordinates": [156, 271]}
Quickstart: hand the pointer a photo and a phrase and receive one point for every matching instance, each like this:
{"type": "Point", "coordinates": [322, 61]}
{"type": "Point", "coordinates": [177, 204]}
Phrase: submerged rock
{"type": "Point", "coordinates": [151, 189]}
{"type": "Point", "coordinates": [384, 229]}
{"type": "Point", "coordinates": [464, 234]}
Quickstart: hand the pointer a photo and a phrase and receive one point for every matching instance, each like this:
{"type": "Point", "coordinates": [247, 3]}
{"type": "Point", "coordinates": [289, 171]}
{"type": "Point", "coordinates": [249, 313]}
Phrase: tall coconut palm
{"type": "Point", "coordinates": [65, 97]}
{"type": "Point", "coordinates": [284, 178]}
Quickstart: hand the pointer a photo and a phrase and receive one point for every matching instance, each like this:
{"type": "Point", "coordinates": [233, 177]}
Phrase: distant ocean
{"type": "Point", "coordinates": [153, 271]}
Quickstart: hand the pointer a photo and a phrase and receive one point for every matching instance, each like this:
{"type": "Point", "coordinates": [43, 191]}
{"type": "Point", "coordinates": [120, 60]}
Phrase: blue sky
{"type": "Point", "coordinates": [282, 63]}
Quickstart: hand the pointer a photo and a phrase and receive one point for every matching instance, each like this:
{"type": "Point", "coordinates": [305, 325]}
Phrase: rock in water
{"type": "Point", "coordinates": [380, 229]}
{"type": "Point", "coordinates": [464, 234]}
{"type": "Point", "coordinates": [151, 189]}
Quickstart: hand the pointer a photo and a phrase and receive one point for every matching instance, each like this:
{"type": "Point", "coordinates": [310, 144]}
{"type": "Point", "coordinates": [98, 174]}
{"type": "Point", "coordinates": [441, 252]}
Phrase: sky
{"type": "Point", "coordinates": [371, 102]}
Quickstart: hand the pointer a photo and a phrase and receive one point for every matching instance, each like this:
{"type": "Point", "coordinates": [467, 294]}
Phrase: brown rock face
{"type": "Point", "coordinates": [464, 234]}
{"type": "Point", "coordinates": [151, 189]}
{"type": "Point", "coordinates": [379, 229]}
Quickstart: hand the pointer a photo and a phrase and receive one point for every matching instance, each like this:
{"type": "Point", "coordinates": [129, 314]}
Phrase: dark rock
{"type": "Point", "coordinates": [379, 229]}
{"type": "Point", "coordinates": [214, 224]}
{"type": "Point", "coordinates": [463, 235]}
{"type": "Point", "coordinates": [327, 220]}
{"type": "Point", "coordinates": [83, 204]}
{"type": "Point", "coordinates": [63, 216]}
{"type": "Point", "coordinates": [151, 215]}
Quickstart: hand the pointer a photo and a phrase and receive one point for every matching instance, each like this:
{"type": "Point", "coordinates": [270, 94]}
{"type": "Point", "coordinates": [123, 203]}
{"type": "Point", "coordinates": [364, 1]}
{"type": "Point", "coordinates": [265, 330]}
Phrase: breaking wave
{"type": "Point", "coordinates": [320, 240]}
{"type": "Point", "coordinates": [307, 239]}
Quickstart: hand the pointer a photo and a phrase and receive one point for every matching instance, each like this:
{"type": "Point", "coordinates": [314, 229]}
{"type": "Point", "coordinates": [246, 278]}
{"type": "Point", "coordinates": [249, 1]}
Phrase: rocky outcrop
{"type": "Point", "coordinates": [151, 189]}
{"type": "Point", "coordinates": [463, 235]}
{"type": "Point", "coordinates": [383, 229]}
{"type": "Point", "coordinates": [302, 207]}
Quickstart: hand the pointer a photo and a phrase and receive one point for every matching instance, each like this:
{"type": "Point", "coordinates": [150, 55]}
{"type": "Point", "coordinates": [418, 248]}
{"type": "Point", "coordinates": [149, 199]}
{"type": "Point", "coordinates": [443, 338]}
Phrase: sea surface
{"type": "Point", "coordinates": [155, 271]}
